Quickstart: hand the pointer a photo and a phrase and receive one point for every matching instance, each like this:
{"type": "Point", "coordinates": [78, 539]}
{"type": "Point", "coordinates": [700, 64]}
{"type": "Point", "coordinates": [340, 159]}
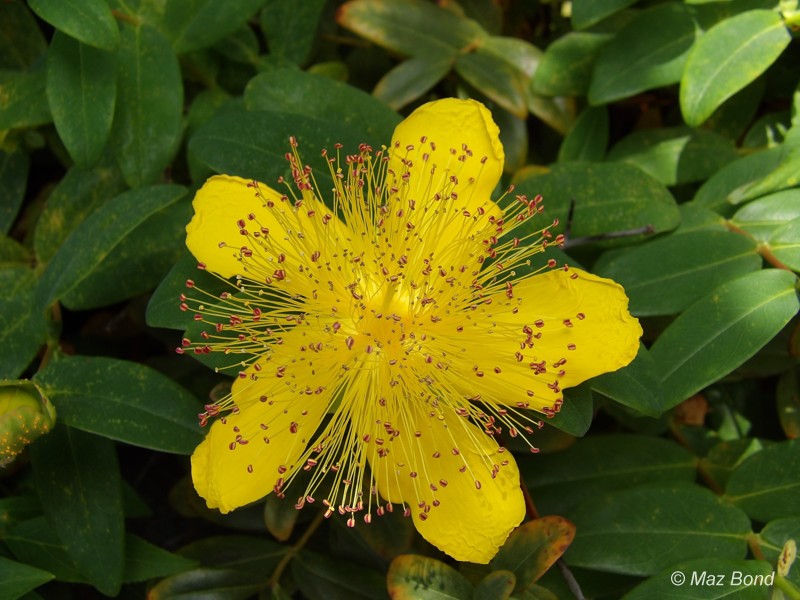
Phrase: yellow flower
{"type": "Point", "coordinates": [386, 338]}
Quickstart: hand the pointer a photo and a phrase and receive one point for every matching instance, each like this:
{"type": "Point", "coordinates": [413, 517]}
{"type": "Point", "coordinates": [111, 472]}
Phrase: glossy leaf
{"type": "Point", "coordinates": [637, 386]}
{"type": "Point", "coordinates": [784, 176]}
{"type": "Point", "coordinates": [602, 464]}
{"type": "Point", "coordinates": [97, 237]}
{"type": "Point", "coordinates": [195, 24]}
{"type": "Point", "coordinates": [566, 67]}
{"type": "Point", "coordinates": [642, 57]}
{"type": "Point", "coordinates": [665, 276]}
{"type": "Point", "coordinates": [766, 485]}
{"type": "Point", "coordinates": [761, 218]}
{"type": "Point", "coordinates": [533, 548]}
{"type": "Point", "coordinates": [248, 554]}
{"type": "Point", "coordinates": [280, 517]}
{"type": "Point", "coordinates": [291, 27]}
{"type": "Point", "coordinates": [708, 578]}
{"type": "Point", "coordinates": [607, 198]}
{"type": "Point", "coordinates": [675, 155]}
{"type": "Point", "coordinates": [23, 102]}
{"type": "Point", "coordinates": [411, 79]}
{"type": "Point", "coordinates": [585, 14]}
{"type": "Point", "coordinates": [81, 91]}
{"type": "Point", "coordinates": [36, 543]}
{"type": "Point", "coordinates": [410, 27]}
{"type": "Point", "coordinates": [413, 577]}
{"type": "Point", "coordinates": [784, 244]}
{"type": "Point", "coordinates": [643, 530]}
{"type": "Point", "coordinates": [149, 104]}
{"type": "Point", "coordinates": [724, 457]}
{"type": "Point", "coordinates": [14, 168]}
{"type": "Point", "coordinates": [588, 138]}
{"type": "Point", "coordinates": [17, 579]}
{"type": "Point", "coordinates": [144, 561]}
{"type": "Point", "coordinates": [722, 330]}
{"type": "Point", "coordinates": [89, 21]}
{"type": "Point", "coordinates": [78, 481]}
{"type": "Point", "coordinates": [122, 400]}
{"type": "Point", "coordinates": [728, 57]}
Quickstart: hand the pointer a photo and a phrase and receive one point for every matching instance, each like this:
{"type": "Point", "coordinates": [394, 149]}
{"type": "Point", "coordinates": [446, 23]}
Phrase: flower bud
{"type": "Point", "coordinates": [25, 414]}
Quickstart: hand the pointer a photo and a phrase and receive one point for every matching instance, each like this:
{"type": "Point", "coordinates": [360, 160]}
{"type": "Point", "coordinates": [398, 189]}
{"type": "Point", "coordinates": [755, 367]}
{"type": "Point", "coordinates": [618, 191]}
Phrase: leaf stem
{"type": "Point", "coordinates": [291, 553]}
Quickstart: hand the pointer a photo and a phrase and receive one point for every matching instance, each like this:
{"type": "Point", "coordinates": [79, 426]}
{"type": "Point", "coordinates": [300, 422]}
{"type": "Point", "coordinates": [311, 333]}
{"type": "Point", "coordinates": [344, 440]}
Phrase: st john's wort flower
{"type": "Point", "coordinates": [388, 338]}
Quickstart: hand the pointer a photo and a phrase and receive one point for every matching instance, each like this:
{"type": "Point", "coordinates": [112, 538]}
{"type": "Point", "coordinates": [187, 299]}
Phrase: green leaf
{"type": "Point", "coordinates": [588, 138]}
{"type": "Point", "coordinates": [138, 263]}
{"type": "Point", "coordinates": [575, 414]}
{"type": "Point", "coordinates": [17, 579]}
{"type": "Point", "coordinates": [78, 481]}
{"type": "Point", "coordinates": [761, 218]}
{"type": "Point", "coordinates": [724, 457]}
{"type": "Point", "coordinates": [96, 237]}
{"type": "Point", "coordinates": [14, 168]}
{"type": "Point", "coordinates": [727, 57]}
{"type": "Point", "coordinates": [81, 91]}
{"type": "Point", "coordinates": [585, 13]}
{"type": "Point", "coordinates": [226, 144]}
{"type": "Point", "coordinates": [714, 193]}
{"type": "Point", "coordinates": [247, 554]}
{"type": "Point", "coordinates": [666, 275]}
{"type": "Point", "coordinates": [149, 104]}
{"type": "Point", "coordinates": [23, 102]}
{"type": "Point", "coordinates": [788, 404]}
{"type": "Point", "coordinates": [145, 561]}
{"type": "Point", "coordinates": [410, 27]}
{"type": "Point", "coordinates": [319, 576]}
{"type": "Point", "coordinates": [291, 27]}
{"type": "Point", "coordinates": [766, 485]}
{"type": "Point", "coordinates": [195, 24]}
{"type": "Point", "coordinates": [124, 401]}
{"type": "Point", "coordinates": [642, 530]}
{"type": "Point", "coordinates": [411, 79]}
{"type": "Point", "coordinates": [36, 543]}
{"type": "Point", "coordinates": [785, 244]}
{"type": "Point", "coordinates": [21, 40]}
{"type": "Point", "coordinates": [164, 310]}
{"type": "Point", "coordinates": [413, 577]}
{"type": "Point", "coordinates": [566, 67]}
{"type": "Point", "coordinates": [708, 579]}
{"type": "Point", "coordinates": [88, 21]}
{"type": "Point", "coordinates": [335, 106]}
{"type": "Point", "coordinates": [722, 330]}
{"type": "Point", "coordinates": [642, 57]}
{"type": "Point", "coordinates": [675, 155]}
{"type": "Point", "coordinates": [280, 517]}
{"type": "Point", "coordinates": [77, 195]}
{"type": "Point", "coordinates": [784, 176]}
{"type": "Point", "coordinates": [597, 465]}
{"type": "Point", "coordinates": [15, 509]}
{"type": "Point", "coordinates": [495, 78]}
{"type": "Point", "coordinates": [208, 584]}
{"type": "Point", "coordinates": [775, 534]}
{"type": "Point", "coordinates": [607, 198]}
{"type": "Point", "coordinates": [637, 386]}
{"type": "Point", "coordinates": [533, 548]}
{"type": "Point", "coordinates": [497, 585]}
{"type": "Point", "coordinates": [22, 330]}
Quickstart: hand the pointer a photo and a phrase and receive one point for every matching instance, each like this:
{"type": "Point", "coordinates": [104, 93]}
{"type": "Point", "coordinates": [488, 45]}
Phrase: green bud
{"type": "Point", "coordinates": [25, 414]}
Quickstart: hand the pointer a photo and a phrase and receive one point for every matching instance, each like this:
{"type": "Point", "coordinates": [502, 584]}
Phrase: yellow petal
{"type": "Point", "coordinates": [462, 489]}
{"type": "Point", "coordinates": [557, 330]}
{"type": "Point", "coordinates": [280, 234]}
{"type": "Point", "coordinates": [280, 406]}
{"type": "Point", "coordinates": [467, 146]}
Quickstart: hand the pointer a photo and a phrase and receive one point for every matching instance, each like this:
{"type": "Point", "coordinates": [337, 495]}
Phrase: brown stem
{"type": "Point", "coordinates": [292, 552]}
